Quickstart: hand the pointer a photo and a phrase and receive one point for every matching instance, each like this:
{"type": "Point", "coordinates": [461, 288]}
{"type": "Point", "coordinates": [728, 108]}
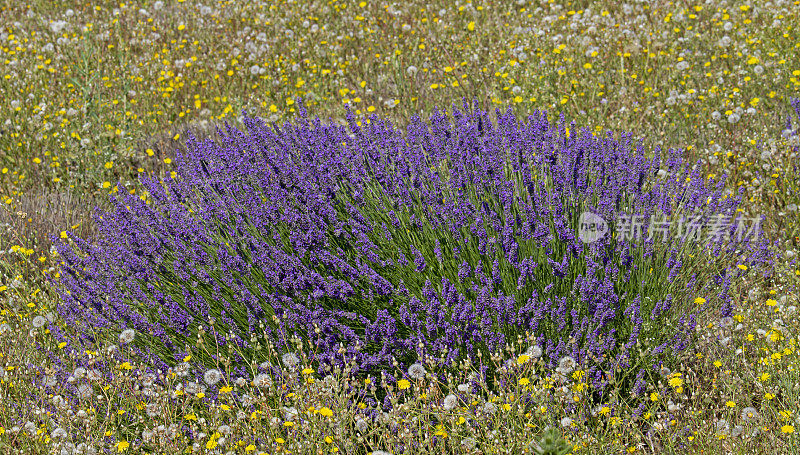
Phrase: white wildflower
{"type": "Point", "coordinates": [673, 407]}
{"type": "Point", "coordinates": [416, 371]}
{"type": "Point", "coordinates": [726, 322]}
{"type": "Point", "coordinates": [567, 364]}
{"type": "Point", "coordinates": [212, 376]}
{"type": "Point", "coordinates": [127, 336]}
{"type": "Point", "coordinates": [58, 26]}
{"type": "Point", "coordinates": [289, 413]}
{"type": "Point", "coordinates": [450, 402]}
{"type": "Point", "coordinates": [30, 428]}
{"type": "Point", "coordinates": [262, 380]}
{"type": "Point", "coordinates": [84, 391]}
{"type": "Point", "coordinates": [147, 435]}
{"type": "Point", "coordinates": [79, 373]}
{"type": "Point", "coordinates": [468, 443]}
{"type": "Point", "coordinates": [290, 360]}
{"type": "Point", "coordinates": [534, 351]}
{"type": "Point", "coordinates": [50, 381]}
{"type": "Point", "coordinates": [152, 410]}
{"type": "Point", "coordinates": [59, 402]}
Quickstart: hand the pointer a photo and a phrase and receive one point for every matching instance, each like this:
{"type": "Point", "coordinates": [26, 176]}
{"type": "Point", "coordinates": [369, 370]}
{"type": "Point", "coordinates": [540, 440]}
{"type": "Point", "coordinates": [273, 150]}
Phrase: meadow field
{"type": "Point", "coordinates": [351, 227]}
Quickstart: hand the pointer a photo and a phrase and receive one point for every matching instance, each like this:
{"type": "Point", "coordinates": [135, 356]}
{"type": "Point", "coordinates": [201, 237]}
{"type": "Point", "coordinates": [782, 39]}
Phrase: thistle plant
{"type": "Point", "coordinates": [380, 248]}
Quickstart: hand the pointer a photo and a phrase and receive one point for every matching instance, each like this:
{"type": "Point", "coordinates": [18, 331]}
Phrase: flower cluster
{"type": "Point", "coordinates": [382, 248]}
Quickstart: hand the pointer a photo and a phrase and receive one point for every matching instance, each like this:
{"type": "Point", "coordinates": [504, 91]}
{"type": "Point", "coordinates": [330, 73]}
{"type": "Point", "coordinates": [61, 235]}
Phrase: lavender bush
{"type": "Point", "coordinates": [373, 246]}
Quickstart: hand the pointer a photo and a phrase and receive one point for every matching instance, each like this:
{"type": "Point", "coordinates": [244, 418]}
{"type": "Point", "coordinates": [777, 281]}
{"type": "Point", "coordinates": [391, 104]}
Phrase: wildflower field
{"type": "Point", "coordinates": [351, 227]}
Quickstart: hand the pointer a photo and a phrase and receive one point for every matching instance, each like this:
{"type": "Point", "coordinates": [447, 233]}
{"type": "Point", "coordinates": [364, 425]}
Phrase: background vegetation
{"type": "Point", "coordinates": [93, 95]}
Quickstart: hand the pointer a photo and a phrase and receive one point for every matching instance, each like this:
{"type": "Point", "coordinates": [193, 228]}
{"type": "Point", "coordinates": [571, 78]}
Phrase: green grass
{"type": "Point", "coordinates": [114, 97]}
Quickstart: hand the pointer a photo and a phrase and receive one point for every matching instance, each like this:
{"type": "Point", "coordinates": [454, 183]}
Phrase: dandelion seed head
{"type": "Point", "coordinates": [289, 413]}
{"type": "Point", "coordinates": [151, 410]}
{"type": "Point", "coordinates": [147, 435]}
{"type": "Point", "coordinates": [726, 322]}
{"type": "Point", "coordinates": [58, 401]}
{"type": "Point", "coordinates": [450, 402]}
{"type": "Point", "coordinates": [127, 336]}
{"type": "Point", "coordinates": [212, 376]}
{"type": "Point", "coordinates": [567, 364]}
{"type": "Point", "coordinates": [30, 428]}
{"type": "Point", "coordinates": [79, 373]}
{"type": "Point", "coordinates": [84, 391]}
{"type": "Point", "coordinates": [262, 380]}
{"type": "Point", "coordinates": [416, 371]}
{"type": "Point", "coordinates": [468, 443]}
{"type": "Point", "coordinates": [290, 359]}
{"type": "Point", "coordinates": [534, 351]}
{"type": "Point", "coordinates": [50, 381]}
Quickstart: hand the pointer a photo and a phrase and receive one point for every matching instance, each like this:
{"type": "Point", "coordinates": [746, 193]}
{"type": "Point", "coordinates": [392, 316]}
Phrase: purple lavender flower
{"type": "Point", "coordinates": [348, 236]}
